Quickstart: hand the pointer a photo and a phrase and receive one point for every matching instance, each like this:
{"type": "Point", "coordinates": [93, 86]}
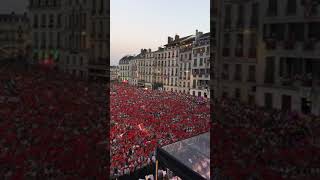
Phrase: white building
{"type": "Point", "coordinates": [200, 66]}
{"type": "Point", "coordinates": [169, 62]}
{"type": "Point", "coordinates": [124, 68]}
{"type": "Point", "coordinates": [114, 73]}
{"type": "Point", "coordinates": [184, 63]}
{"type": "Point", "coordinates": [171, 67]}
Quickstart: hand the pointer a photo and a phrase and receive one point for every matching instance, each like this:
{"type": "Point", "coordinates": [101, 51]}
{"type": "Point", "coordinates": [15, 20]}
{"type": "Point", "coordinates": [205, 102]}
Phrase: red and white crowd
{"type": "Point", "coordinates": [51, 126]}
{"type": "Point", "coordinates": [257, 143]}
{"type": "Point", "coordinates": [143, 119]}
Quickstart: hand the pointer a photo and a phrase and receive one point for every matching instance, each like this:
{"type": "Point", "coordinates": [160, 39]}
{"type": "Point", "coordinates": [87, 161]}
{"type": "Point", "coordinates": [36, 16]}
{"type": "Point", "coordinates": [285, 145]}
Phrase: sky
{"type": "Point", "coordinates": [144, 24]}
{"type": "Point", "coordinates": [19, 6]}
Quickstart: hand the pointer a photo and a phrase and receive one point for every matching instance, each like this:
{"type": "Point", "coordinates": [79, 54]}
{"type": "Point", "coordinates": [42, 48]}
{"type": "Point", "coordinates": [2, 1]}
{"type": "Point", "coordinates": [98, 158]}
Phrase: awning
{"type": "Point", "coordinates": [189, 158]}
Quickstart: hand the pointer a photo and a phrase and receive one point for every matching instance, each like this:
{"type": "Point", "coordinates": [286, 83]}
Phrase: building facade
{"type": "Point", "coordinates": [14, 35]}
{"type": "Point", "coordinates": [184, 63]}
{"type": "Point", "coordinates": [170, 67]}
{"type": "Point", "coordinates": [290, 56]}
{"type": "Point", "coordinates": [114, 73]}
{"type": "Point", "coordinates": [99, 54]}
{"type": "Point", "coordinates": [237, 59]}
{"type": "Point", "coordinates": [75, 33]}
{"type": "Point", "coordinates": [200, 66]}
{"type": "Point", "coordinates": [46, 29]}
{"type": "Point", "coordinates": [124, 68]}
{"type": "Point", "coordinates": [270, 56]}
{"type": "Point", "coordinates": [75, 51]}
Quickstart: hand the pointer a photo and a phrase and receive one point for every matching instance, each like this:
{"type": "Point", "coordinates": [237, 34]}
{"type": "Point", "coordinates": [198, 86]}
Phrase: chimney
{"type": "Point", "coordinates": [197, 32]}
{"type": "Point", "coordinates": [141, 51]}
{"type": "Point", "coordinates": [149, 50]}
{"type": "Point", "coordinates": [176, 37]}
{"type": "Point", "coordinates": [170, 39]}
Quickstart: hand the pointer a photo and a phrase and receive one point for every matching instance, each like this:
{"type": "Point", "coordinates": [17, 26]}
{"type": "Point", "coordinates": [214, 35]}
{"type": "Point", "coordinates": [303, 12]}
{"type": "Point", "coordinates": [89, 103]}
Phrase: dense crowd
{"type": "Point", "coordinates": [255, 142]}
{"type": "Point", "coordinates": [143, 119]}
{"type": "Point", "coordinates": [51, 125]}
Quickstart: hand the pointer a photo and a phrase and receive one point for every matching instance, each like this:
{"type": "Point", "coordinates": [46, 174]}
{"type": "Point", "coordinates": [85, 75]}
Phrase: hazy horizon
{"type": "Point", "coordinates": [144, 24]}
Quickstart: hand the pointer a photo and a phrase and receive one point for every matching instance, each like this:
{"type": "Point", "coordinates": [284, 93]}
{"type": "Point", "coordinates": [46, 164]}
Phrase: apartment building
{"type": "Point", "coordinates": [46, 19]}
{"type": "Point", "coordinates": [270, 56]}
{"type": "Point", "coordinates": [170, 63]}
{"type": "Point", "coordinates": [75, 33]}
{"type": "Point", "coordinates": [237, 59]}
{"type": "Point", "coordinates": [200, 66]}
{"type": "Point", "coordinates": [14, 35]}
{"type": "Point", "coordinates": [158, 66]}
{"type": "Point", "coordinates": [124, 68]}
{"type": "Point", "coordinates": [148, 68]}
{"type": "Point", "coordinates": [290, 59]}
{"type": "Point", "coordinates": [170, 67]}
{"type": "Point", "coordinates": [99, 21]}
{"type": "Point", "coordinates": [114, 73]}
{"type": "Point", "coordinates": [141, 70]}
{"type": "Point", "coordinates": [75, 54]}
{"type": "Point", "coordinates": [184, 64]}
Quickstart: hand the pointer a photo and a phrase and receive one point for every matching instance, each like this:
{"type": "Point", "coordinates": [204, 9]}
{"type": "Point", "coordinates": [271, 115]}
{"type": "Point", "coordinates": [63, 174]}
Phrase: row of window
{"type": "Point", "coordinates": [44, 21]}
{"type": "Point", "coordinates": [238, 72]}
{"type": "Point", "coordinates": [290, 69]}
{"type": "Point", "coordinates": [45, 3]}
{"type": "Point", "coordinates": [239, 20]}
{"type": "Point", "coordinates": [298, 31]}
{"type": "Point", "coordinates": [291, 7]}
{"type": "Point", "coordinates": [124, 67]}
{"type": "Point", "coordinates": [99, 27]}
{"type": "Point", "coordinates": [76, 41]}
{"type": "Point", "coordinates": [76, 72]}
{"type": "Point", "coordinates": [98, 7]}
{"type": "Point", "coordinates": [166, 55]}
{"type": "Point", "coordinates": [74, 61]}
{"type": "Point", "coordinates": [47, 40]}
{"type": "Point", "coordinates": [202, 62]}
{"type": "Point", "coordinates": [76, 20]}
{"type": "Point", "coordinates": [286, 103]}
{"type": "Point", "coordinates": [238, 95]}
